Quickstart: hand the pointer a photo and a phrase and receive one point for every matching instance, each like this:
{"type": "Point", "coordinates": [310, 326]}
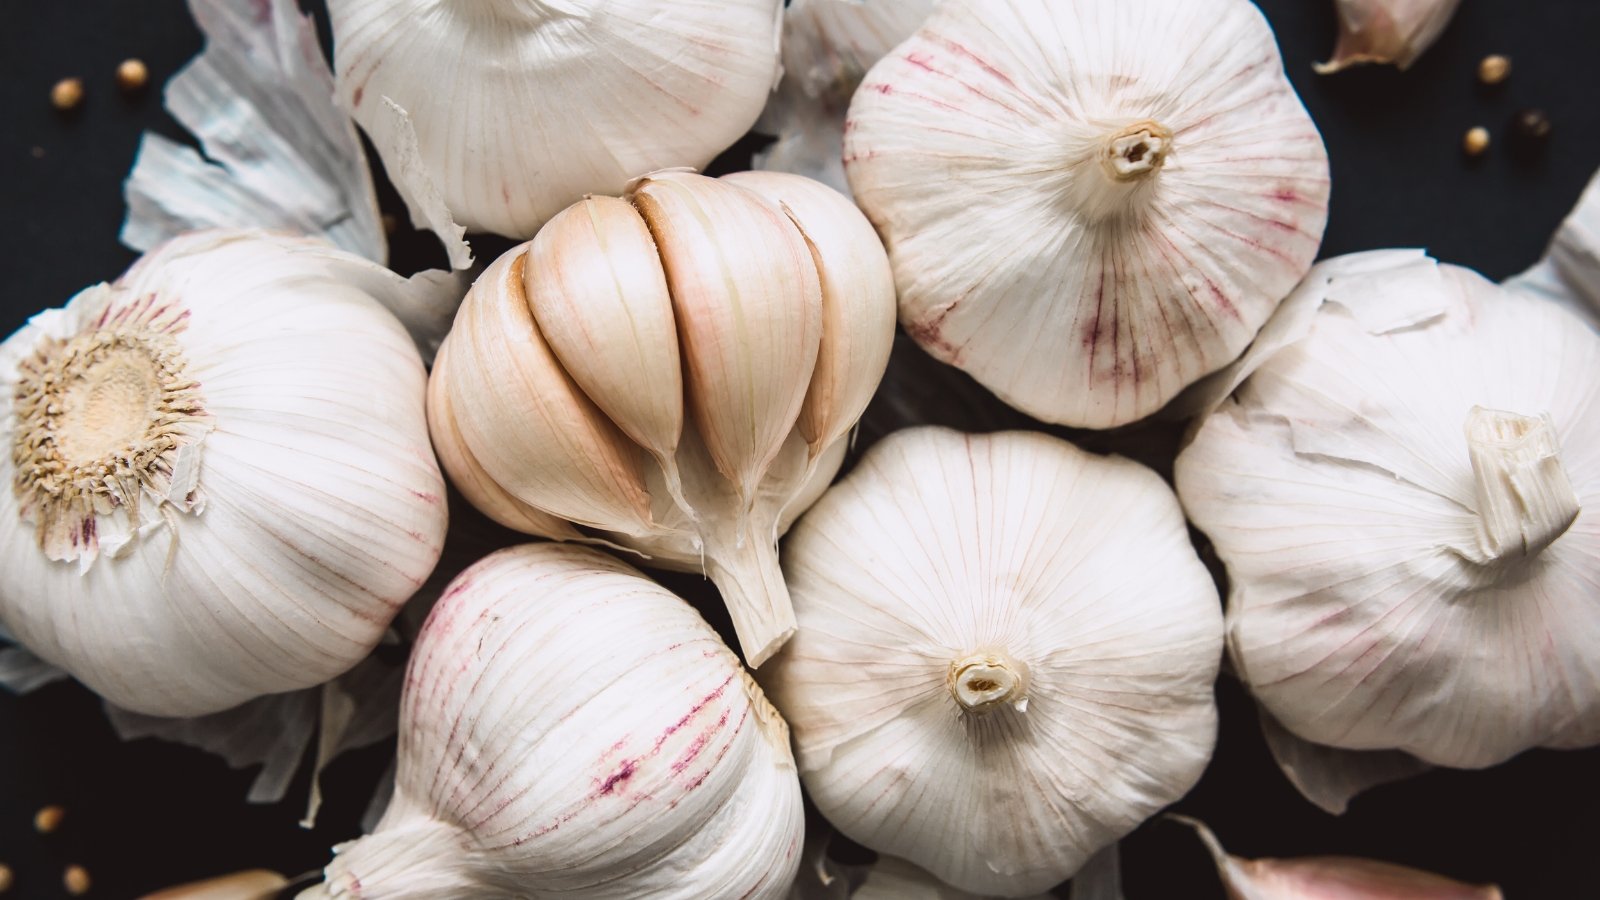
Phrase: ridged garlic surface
{"type": "Point", "coordinates": [217, 478]}
{"type": "Point", "coordinates": [570, 728]}
{"type": "Point", "coordinates": [1412, 542]}
{"type": "Point", "coordinates": [675, 372]}
{"type": "Point", "coordinates": [521, 107]}
{"type": "Point", "coordinates": [1089, 204]}
{"type": "Point", "coordinates": [1006, 655]}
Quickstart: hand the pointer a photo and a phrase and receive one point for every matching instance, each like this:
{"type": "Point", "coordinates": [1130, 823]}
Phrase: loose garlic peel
{"type": "Point", "coordinates": [217, 481]}
{"type": "Point", "coordinates": [570, 728]}
{"type": "Point", "coordinates": [1089, 204]}
{"type": "Point", "coordinates": [675, 372]}
{"type": "Point", "coordinates": [1005, 659]}
{"type": "Point", "coordinates": [1410, 542]}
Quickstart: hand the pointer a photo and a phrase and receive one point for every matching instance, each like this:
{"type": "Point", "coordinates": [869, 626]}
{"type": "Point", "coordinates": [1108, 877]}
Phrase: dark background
{"type": "Point", "coordinates": [144, 815]}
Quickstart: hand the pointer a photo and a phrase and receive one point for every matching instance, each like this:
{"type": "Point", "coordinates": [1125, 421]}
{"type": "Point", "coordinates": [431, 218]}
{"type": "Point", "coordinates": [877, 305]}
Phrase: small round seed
{"type": "Point", "coordinates": [76, 880]}
{"type": "Point", "coordinates": [1531, 125]}
{"type": "Point", "coordinates": [48, 818]}
{"type": "Point", "coordinates": [1494, 68]}
{"type": "Point", "coordinates": [132, 75]}
{"type": "Point", "coordinates": [6, 878]}
{"type": "Point", "coordinates": [67, 94]}
{"type": "Point", "coordinates": [1475, 141]}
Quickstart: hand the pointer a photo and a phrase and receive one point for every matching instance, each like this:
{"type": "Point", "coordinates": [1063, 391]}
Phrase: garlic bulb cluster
{"type": "Point", "coordinates": [217, 478]}
{"type": "Point", "coordinates": [1006, 655]}
{"type": "Point", "coordinates": [675, 372]}
{"type": "Point", "coordinates": [1412, 542]}
{"type": "Point", "coordinates": [1089, 204]}
{"type": "Point", "coordinates": [570, 728]}
{"type": "Point", "coordinates": [1387, 31]}
{"type": "Point", "coordinates": [518, 108]}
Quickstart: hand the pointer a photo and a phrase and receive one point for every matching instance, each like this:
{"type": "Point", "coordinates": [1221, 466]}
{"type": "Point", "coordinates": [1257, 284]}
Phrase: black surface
{"type": "Point", "coordinates": [143, 815]}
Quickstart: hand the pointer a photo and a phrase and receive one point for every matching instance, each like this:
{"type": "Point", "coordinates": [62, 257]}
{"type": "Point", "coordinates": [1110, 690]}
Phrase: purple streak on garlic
{"type": "Point", "coordinates": [1387, 31]}
{"type": "Point", "coordinates": [1089, 204]}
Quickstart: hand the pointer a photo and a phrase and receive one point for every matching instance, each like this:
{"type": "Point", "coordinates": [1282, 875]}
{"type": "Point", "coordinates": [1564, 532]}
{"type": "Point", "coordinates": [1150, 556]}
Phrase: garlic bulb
{"type": "Point", "coordinates": [1006, 655]}
{"type": "Point", "coordinates": [1569, 273]}
{"type": "Point", "coordinates": [1089, 204]}
{"type": "Point", "coordinates": [896, 879]}
{"type": "Point", "coordinates": [521, 108]}
{"type": "Point", "coordinates": [246, 376]}
{"type": "Point", "coordinates": [1387, 31]}
{"type": "Point", "coordinates": [1411, 542]}
{"type": "Point", "coordinates": [1330, 877]}
{"type": "Point", "coordinates": [675, 372]}
{"type": "Point", "coordinates": [571, 728]}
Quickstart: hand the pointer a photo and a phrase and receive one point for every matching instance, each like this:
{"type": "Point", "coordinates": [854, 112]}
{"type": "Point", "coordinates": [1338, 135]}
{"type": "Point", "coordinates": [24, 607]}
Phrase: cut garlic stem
{"type": "Point", "coordinates": [1136, 151]}
{"type": "Point", "coordinates": [983, 681]}
{"type": "Point", "coordinates": [1525, 498]}
{"type": "Point", "coordinates": [747, 575]}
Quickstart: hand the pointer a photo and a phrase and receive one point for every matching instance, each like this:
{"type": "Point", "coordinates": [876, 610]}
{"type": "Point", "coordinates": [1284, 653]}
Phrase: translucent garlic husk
{"type": "Point", "coordinates": [218, 483]}
{"type": "Point", "coordinates": [571, 728]}
{"type": "Point", "coordinates": [1089, 221]}
{"type": "Point", "coordinates": [675, 373]}
{"type": "Point", "coordinates": [1410, 542]}
{"type": "Point", "coordinates": [1387, 31]}
{"type": "Point", "coordinates": [1006, 655]}
{"type": "Point", "coordinates": [518, 108]}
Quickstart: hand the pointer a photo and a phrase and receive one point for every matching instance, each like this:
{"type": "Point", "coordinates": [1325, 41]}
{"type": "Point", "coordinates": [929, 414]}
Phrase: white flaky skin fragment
{"type": "Point", "coordinates": [1088, 204]}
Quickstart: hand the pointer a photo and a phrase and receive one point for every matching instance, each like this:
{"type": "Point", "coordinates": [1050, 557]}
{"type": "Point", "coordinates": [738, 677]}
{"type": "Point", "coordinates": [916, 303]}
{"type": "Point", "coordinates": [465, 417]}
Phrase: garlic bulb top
{"type": "Point", "coordinates": [217, 481]}
{"type": "Point", "coordinates": [521, 107]}
{"type": "Point", "coordinates": [571, 728]}
{"type": "Point", "coordinates": [1006, 655]}
{"type": "Point", "coordinates": [1089, 204]}
{"type": "Point", "coordinates": [1412, 542]}
{"type": "Point", "coordinates": [675, 372]}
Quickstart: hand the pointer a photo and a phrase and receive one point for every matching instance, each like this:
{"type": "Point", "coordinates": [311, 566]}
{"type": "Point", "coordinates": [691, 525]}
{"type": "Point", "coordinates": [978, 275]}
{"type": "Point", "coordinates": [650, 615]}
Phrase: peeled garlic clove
{"type": "Point", "coordinates": [570, 728]}
{"type": "Point", "coordinates": [1330, 877]}
{"type": "Point", "coordinates": [1387, 31]}
{"type": "Point", "coordinates": [526, 422]}
{"type": "Point", "coordinates": [857, 301]}
{"type": "Point", "coordinates": [1410, 541]}
{"type": "Point", "coordinates": [520, 109]}
{"type": "Point", "coordinates": [227, 373]}
{"type": "Point", "coordinates": [748, 303]}
{"type": "Point", "coordinates": [982, 612]}
{"type": "Point", "coordinates": [1090, 222]}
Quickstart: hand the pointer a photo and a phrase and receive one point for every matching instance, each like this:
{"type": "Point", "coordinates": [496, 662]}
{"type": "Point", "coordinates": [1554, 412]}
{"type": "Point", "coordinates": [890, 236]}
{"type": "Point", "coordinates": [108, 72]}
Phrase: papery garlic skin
{"type": "Point", "coordinates": [1411, 542]}
{"type": "Point", "coordinates": [571, 728]}
{"type": "Point", "coordinates": [1387, 31]}
{"type": "Point", "coordinates": [520, 108]}
{"type": "Point", "coordinates": [274, 500]}
{"type": "Point", "coordinates": [1089, 204]}
{"type": "Point", "coordinates": [675, 372]}
{"type": "Point", "coordinates": [1006, 655]}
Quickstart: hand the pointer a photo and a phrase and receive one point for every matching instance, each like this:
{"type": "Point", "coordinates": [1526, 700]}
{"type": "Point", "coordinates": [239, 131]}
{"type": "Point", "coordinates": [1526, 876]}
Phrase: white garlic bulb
{"type": "Point", "coordinates": [521, 107]}
{"type": "Point", "coordinates": [571, 728]}
{"type": "Point", "coordinates": [1006, 655]}
{"type": "Point", "coordinates": [1089, 204]}
{"type": "Point", "coordinates": [1387, 31]}
{"type": "Point", "coordinates": [218, 483]}
{"type": "Point", "coordinates": [676, 372]}
{"type": "Point", "coordinates": [1411, 541]}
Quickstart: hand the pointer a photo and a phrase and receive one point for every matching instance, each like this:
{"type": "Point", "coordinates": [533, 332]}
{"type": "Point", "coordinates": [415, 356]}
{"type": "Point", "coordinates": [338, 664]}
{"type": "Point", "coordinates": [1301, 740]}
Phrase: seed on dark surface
{"type": "Point", "coordinates": [1475, 141]}
{"type": "Point", "coordinates": [132, 75]}
{"type": "Point", "coordinates": [76, 880]}
{"type": "Point", "coordinates": [6, 878]}
{"type": "Point", "coordinates": [48, 818]}
{"type": "Point", "coordinates": [1493, 69]}
{"type": "Point", "coordinates": [1530, 132]}
{"type": "Point", "coordinates": [67, 94]}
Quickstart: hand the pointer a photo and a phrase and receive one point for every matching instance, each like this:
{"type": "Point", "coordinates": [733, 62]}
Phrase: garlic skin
{"type": "Point", "coordinates": [569, 727]}
{"type": "Point", "coordinates": [1090, 222]}
{"type": "Point", "coordinates": [217, 482]}
{"type": "Point", "coordinates": [1569, 273]}
{"type": "Point", "coordinates": [1005, 659]}
{"type": "Point", "coordinates": [521, 108]}
{"type": "Point", "coordinates": [675, 372]}
{"type": "Point", "coordinates": [1410, 542]}
{"type": "Point", "coordinates": [895, 879]}
{"type": "Point", "coordinates": [1387, 31]}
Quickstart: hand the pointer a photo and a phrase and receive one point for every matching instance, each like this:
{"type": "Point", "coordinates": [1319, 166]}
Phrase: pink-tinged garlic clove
{"type": "Point", "coordinates": [1387, 31]}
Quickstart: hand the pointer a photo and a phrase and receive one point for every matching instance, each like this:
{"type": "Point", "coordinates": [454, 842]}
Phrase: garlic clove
{"type": "Point", "coordinates": [1387, 31]}
{"type": "Point", "coordinates": [529, 426]}
{"type": "Point", "coordinates": [748, 304]}
{"type": "Point", "coordinates": [1329, 877]}
{"type": "Point", "coordinates": [598, 291]}
{"type": "Point", "coordinates": [858, 301]}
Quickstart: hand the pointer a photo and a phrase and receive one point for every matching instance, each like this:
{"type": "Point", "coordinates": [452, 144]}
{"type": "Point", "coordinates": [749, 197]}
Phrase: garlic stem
{"type": "Point", "coordinates": [1135, 151]}
{"type": "Point", "coordinates": [982, 681]}
{"type": "Point", "coordinates": [1525, 499]}
{"type": "Point", "coordinates": [751, 583]}
{"type": "Point", "coordinates": [1113, 168]}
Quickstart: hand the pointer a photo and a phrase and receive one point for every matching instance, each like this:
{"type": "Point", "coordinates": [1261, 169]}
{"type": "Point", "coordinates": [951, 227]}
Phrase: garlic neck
{"type": "Point", "coordinates": [1525, 499]}
{"type": "Point", "coordinates": [1135, 152]}
{"type": "Point", "coordinates": [1115, 169]}
{"type": "Point", "coordinates": [983, 681]}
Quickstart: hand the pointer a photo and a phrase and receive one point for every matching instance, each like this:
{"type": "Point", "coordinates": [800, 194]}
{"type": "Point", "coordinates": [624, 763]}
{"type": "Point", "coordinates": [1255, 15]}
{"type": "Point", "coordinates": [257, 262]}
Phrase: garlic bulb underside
{"type": "Point", "coordinates": [1387, 31]}
{"type": "Point", "coordinates": [217, 479]}
{"type": "Point", "coordinates": [1089, 204]}
{"type": "Point", "coordinates": [521, 108]}
{"type": "Point", "coordinates": [1005, 658]}
{"type": "Point", "coordinates": [1412, 542]}
{"type": "Point", "coordinates": [675, 372]}
{"type": "Point", "coordinates": [571, 728]}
